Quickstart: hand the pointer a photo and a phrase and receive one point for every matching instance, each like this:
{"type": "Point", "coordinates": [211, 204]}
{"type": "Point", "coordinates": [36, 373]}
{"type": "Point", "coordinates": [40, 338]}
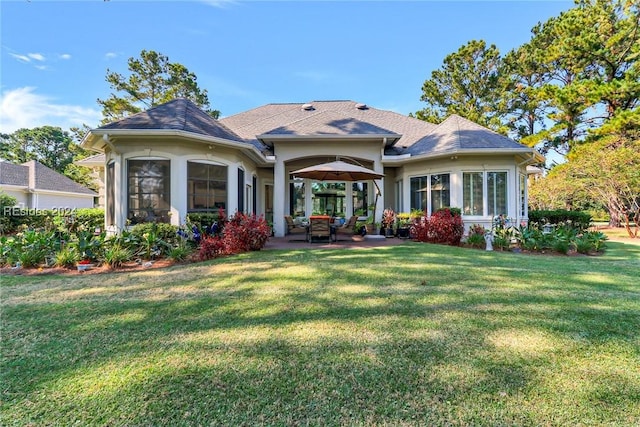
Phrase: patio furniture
{"type": "Point", "coordinates": [320, 227]}
{"type": "Point", "coordinates": [292, 228]}
{"type": "Point", "coordinates": [348, 227]}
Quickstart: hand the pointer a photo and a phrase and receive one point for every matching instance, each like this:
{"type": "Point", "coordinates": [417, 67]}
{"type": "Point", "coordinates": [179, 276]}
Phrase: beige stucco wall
{"type": "Point", "coordinates": [179, 152]}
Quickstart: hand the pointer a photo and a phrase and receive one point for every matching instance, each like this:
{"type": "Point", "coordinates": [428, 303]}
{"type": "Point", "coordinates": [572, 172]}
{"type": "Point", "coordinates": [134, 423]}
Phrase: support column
{"type": "Point", "coordinates": [280, 188]}
{"type": "Point", "coordinates": [178, 191]}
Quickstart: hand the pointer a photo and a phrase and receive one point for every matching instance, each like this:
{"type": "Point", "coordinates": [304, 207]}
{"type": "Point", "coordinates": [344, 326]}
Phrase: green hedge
{"type": "Point", "coordinates": [581, 220]}
{"type": "Point", "coordinates": [86, 218]}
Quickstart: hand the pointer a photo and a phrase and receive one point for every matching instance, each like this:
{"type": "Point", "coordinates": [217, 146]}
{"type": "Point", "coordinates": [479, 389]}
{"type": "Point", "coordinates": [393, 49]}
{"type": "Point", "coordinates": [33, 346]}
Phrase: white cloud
{"type": "Point", "coordinates": [24, 108]}
{"type": "Point", "coordinates": [111, 55]}
{"type": "Point", "coordinates": [21, 58]}
{"type": "Point", "coordinates": [65, 56]}
{"type": "Point", "coordinates": [36, 56]}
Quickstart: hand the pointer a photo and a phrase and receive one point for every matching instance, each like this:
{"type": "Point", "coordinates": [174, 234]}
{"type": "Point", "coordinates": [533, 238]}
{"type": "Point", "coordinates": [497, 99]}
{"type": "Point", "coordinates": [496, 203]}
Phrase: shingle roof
{"type": "Point", "coordinates": [11, 174]}
{"type": "Point", "coordinates": [96, 159]}
{"type": "Point", "coordinates": [326, 117]}
{"type": "Point", "coordinates": [457, 133]}
{"type": "Point", "coordinates": [42, 178]}
{"type": "Point", "coordinates": [178, 114]}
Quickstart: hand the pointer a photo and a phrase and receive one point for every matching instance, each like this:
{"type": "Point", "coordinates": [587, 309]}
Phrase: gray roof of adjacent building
{"type": "Point", "coordinates": [37, 176]}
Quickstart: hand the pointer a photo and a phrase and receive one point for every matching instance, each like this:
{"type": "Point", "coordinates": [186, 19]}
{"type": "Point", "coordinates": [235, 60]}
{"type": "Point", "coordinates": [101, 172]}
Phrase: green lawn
{"type": "Point", "coordinates": [415, 334]}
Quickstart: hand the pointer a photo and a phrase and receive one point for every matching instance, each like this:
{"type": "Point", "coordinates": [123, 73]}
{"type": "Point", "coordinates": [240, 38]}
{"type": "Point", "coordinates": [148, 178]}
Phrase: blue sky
{"type": "Point", "coordinates": [55, 54]}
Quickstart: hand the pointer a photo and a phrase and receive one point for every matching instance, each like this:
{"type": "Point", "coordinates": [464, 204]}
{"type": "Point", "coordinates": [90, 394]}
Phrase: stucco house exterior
{"type": "Point", "coordinates": [173, 159]}
{"type": "Point", "coordinates": [35, 186]}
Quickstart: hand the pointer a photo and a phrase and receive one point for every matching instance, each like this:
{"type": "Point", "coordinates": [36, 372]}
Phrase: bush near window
{"type": "Point", "coordinates": [207, 222]}
{"type": "Point", "coordinates": [582, 220]}
{"type": "Point", "coordinates": [475, 238]}
{"type": "Point", "coordinates": [444, 226]}
{"type": "Point", "coordinates": [242, 233]}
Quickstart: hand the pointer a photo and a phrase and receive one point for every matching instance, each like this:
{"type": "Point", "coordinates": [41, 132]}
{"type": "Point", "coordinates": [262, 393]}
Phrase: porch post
{"type": "Point", "coordinates": [280, 188]}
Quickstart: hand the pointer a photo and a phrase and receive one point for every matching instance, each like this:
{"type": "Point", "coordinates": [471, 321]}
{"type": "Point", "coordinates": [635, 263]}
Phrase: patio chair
{"type": "Point", "coordinates": [348, 228]}
{"type": "Point", "coordinates": [292, 228]}
{"type": "Point", "coordinates": [320, 227]}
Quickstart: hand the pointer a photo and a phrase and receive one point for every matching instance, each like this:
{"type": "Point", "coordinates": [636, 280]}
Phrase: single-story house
{"type": "Point", "coordinates": [174, 159]}
{"type": "Point", "coordinates": [35, 186]}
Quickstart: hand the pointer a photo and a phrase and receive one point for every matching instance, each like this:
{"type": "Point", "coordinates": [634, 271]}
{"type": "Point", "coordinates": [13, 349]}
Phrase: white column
{"type": "Point", "coordinates": [120, 191]}
{"type": "Point", "coordinates": [232, 189]}
{"type": "Point", "coordinates": [178, 191]}
{"type": "Point", "coordinates": [280, 186]}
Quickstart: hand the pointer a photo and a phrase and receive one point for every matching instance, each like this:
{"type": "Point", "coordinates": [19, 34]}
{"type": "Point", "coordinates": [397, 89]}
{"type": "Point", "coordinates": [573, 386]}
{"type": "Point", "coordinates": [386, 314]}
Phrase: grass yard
{"type": "Point", "coordinates": [414, 334]}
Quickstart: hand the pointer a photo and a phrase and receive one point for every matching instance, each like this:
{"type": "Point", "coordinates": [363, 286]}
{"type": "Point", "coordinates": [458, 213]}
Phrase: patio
{"type": "Point", "coordinates": [344, 242]}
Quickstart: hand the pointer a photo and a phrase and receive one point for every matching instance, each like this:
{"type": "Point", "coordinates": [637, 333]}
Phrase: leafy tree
{"type": "Point", "coordinates": [606, 171]}
{"type": "Point", "coordinates": [469, 84]}
{"type": "Point", "coordinates": [153, 81]}
{"type": "Point", "coordinates": [526, 75]}
{"type": "Point", "coordinates": [50, 146]}
{"type": "Point", "coordinates": [590, 77]}
{"type": "Point", "coordinates": [47, 144]}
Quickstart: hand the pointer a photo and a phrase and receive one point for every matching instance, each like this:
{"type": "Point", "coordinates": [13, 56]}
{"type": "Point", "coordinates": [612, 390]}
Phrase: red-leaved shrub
{"type": "Point", "coordinates": [244, 233]}
{"type": "Point", "coordinates": [210, 247]}
{"type": "Point", "coordinates": [443, 226]}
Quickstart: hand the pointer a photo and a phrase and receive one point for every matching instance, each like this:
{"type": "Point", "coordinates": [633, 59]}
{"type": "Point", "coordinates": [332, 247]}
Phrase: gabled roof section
{"type": "Point", "coordinates": [459, 134]}
{"type": "Point", "coordinates": [326, 118]}
{"type": "Point", "coordinates": [178, 114]}
{"type": "Point", "coordinates": [35, 175]}
{"type": "Point", "coordinates": [330, 123]}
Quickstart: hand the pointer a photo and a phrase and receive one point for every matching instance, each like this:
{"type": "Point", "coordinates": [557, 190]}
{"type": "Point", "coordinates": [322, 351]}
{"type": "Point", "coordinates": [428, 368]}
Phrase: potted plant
{"type": "Point", "coordinates": [404, 225]}
{"type": "Point", "coordinates": [388, 222]}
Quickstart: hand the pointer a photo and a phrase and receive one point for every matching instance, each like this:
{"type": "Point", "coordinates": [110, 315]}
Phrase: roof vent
{"type": "Point", "coordinates": [307, 107]}
{"type": "Point", "coordinates": [362, 106]}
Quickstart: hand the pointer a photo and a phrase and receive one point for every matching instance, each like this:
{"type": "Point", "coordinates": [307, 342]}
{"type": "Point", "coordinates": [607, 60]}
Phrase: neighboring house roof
{"type": "Point", "coordinates": [326, 118]}
{"type": "Point", "coordinates": [11, 174]}
{"type": "Point", "coordinates": [37, 176]}
{"type": "Point", "coordinates": [459, 134]}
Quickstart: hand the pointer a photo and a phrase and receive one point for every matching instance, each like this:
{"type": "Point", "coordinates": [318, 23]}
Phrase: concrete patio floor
{"type": "Point", "coordinates": [345, 242]}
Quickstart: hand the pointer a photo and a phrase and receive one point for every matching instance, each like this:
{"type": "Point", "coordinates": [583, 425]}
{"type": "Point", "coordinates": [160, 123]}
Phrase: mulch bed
{"type": "Point", "coordinates": [125, 268]}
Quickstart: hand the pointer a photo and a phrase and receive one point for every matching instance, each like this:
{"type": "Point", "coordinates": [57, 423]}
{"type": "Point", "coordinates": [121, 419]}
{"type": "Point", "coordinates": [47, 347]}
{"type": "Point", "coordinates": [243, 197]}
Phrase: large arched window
{"type": "Point", "coordinates": [148, 190]}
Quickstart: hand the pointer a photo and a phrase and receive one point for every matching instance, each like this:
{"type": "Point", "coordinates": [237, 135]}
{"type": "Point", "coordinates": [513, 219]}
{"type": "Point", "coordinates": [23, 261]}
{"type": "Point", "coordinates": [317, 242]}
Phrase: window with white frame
{"type": "Point", "coordinates": [497, 193]}
{"type": "Point", "coordinates": [474, 198]}
{"type": "Point", "coordinates": [472, 191]}
{"type": "Point", "coordinates": [431, 192]}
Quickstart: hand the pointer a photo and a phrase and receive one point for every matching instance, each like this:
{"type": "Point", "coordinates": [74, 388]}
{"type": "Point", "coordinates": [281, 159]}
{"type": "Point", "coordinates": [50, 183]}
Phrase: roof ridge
{"type": "Point", "coordinates": [263, 118]}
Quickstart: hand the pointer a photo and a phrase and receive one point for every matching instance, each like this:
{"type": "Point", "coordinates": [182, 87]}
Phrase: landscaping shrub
{"type": "Point", "coordinates": [475, 238]}
{"type": "Point", "coordinates": [31, 248]}
{"type": "Point", "coordinates": [582, 220]}
{"type": "Point", "coordinates": [245, 233]}
{"type": "Point", "coordinates": [116, 255]}
{"type": "Point", "coordinates": [208, 223]}
{"type": "Point", "coordinates": [165, 232]}
{"type": "Point", "coordinates": [180, 251]}
{"type": "Point", "coordinates": [210, 247]}
{"type": "Point", "coordinates": [442, 227]}
{"type": "Point", "coordinates": [67, 257]}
